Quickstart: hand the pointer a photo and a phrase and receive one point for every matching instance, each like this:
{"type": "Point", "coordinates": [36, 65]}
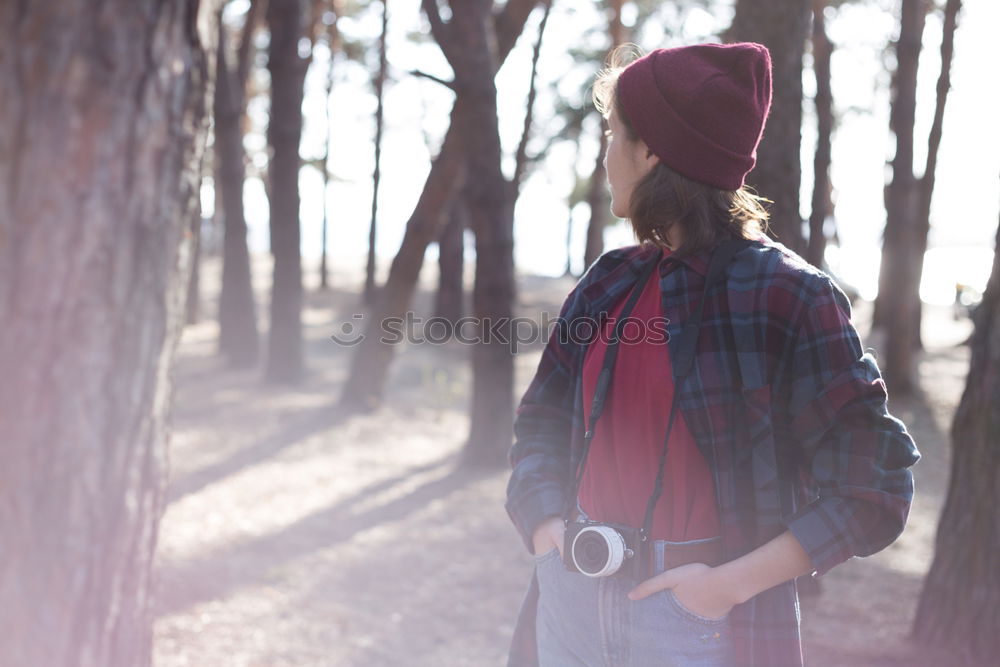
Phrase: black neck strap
{"type": "Point", "coordinates": [681, 364]}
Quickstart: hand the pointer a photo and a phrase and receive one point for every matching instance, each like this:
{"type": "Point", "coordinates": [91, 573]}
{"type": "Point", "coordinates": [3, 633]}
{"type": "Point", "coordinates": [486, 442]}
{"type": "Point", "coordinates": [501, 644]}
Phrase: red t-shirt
{"type": "Point", "coordinates": [625, 450]}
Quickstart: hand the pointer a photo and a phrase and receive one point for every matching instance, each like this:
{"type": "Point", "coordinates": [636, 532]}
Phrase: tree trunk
{"type": "Point", "coordinates": [597, 195]}
{"type": "Point", "coordinates": [959, 607]}
{"type": "Point", "coordinates": [370, 363]}
{"type": "Point", "coordinates": [521, 155]}
{"type": "Point", "coordinates": [597, 200]}
{"type": "Point", "coordinates": [284, 132]}
{"type": "Point", "coordinates": [571, 202]}
{"type": "Point", "coordinates": [899, 280]}
{"type": "Point", "coordinates": [238, 336]}
{"type": "Point", "coordinates": [822, 51]}
{"type": "Point", "coordinates": [491, 208]}
{"type": "Point", "coordinates": [569, 243]}
{"type": "Point", "coordinates": [782, 26]}
{"type": "Point", "coordinates": [192, 302]}
{"type": "Point", "coordinates": [926, 185]}
{"type": "Point", "coordinates": [100, 157]}
{"type": "Point", "coordinates": [451, 265]}
{"type": "Point", "coordinates": [369, 295]}
{"type": "Point", "coordinates": [333, 43]}
{"type": "Point", "coordinates": [491, 213]}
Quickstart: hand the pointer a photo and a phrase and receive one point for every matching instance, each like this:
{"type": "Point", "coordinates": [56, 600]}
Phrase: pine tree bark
{"type": "Point", "coordinates": [491, 213]}
{"type": "Point", "coordinates": [597, 194]}
{"type": "Point", "coordinates": [782, 26]}
{"type": "Point", "coordinates": [568, 271]}
{"type": "Point", "coordinates": [899, 280]}
{"type": "Point", "coordinates": [451, 266]}
{"type": "Point", "coordinates": [926, 183]}
{"type": "Point", "coordinates": [239, 340]}
{"type": "Point", "coordinates": [369, 294]}
{"type": "Point", "coordinates": [959, 606]}
{"type": "Point", "coordinates": [597, 201]}
{"type": "Point", "coordinates": [284, 132]}
{"type": "Point", "coordinates": [521, 159]}
{"type": "Point", "coordinates": [574, 198]}
{"type": "Point", "coordinates": [822, 50]}
{"type": "Point", "coordinates": [192, 302]}
{"type": "Point", "coordinates": [370, 363]}
{"type": "Point", "coordinates": [491, 202]}
{"type": "Point", "coordinates": [334, 45]}
{"type": "Point", "coordinates": [101, 146]}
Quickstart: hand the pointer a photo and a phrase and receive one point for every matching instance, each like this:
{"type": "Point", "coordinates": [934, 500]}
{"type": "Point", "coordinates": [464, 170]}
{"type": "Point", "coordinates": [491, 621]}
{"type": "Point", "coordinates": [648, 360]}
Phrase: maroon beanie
{"type": "Point", "coordinates": [701, 109]}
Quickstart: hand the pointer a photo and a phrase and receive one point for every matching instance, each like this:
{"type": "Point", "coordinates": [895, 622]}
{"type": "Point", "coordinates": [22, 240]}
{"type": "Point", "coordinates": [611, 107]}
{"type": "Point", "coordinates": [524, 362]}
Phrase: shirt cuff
{"type": "Point", "coordinates": [824, 528]}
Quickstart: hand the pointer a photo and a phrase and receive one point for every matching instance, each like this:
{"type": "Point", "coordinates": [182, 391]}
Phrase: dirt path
{"type": "Point", "coordinates": [296, 537]}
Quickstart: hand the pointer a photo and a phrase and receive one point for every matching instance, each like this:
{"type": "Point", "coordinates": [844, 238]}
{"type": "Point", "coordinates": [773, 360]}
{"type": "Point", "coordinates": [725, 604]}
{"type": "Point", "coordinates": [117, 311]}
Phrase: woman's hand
{"type": "Point", "coordinates": [548, 534]}
{"type": "Point", "coordinates": [695, 587]}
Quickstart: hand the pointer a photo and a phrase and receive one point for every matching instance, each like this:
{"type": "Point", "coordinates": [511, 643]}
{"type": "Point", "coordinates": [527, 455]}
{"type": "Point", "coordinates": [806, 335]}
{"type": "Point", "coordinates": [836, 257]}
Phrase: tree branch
{"type": "Point", "coordinates": [943, 86]}
{"type": "Point", "coordinates": [508, 24]}
{"type": "Point", "coordinates": [425, 75]}
{"type": "Point", "coordinates": [521, 156]}
{"type": "Point", "coordinates": [441, 30]}
{"type": "Point", "coordinates": [245, 49]}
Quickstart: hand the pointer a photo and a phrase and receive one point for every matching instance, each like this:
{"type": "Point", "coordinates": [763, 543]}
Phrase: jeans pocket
{"type": "Point", "coordinates": [691, 615]}
{"type": "Point", "coordinates": [548, 555]}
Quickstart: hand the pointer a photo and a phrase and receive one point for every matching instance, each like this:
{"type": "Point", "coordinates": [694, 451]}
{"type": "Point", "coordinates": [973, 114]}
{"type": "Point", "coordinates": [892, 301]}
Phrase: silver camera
{"type": "Point", "coordinates": [598, 549]}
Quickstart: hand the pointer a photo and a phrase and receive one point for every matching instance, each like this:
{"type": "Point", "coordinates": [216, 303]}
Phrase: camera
{"type": "Point", "coordinates": [599, 549]}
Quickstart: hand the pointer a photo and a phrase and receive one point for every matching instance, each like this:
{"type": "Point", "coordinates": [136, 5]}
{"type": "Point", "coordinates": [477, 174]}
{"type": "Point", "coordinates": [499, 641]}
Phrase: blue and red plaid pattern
{"type": "Point", "coordinates": [785, 405]}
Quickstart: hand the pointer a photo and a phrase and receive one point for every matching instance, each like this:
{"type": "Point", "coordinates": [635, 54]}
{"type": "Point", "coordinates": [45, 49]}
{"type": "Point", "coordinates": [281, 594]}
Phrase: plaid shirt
{"type": "Point", "coordinates": [785, 405]}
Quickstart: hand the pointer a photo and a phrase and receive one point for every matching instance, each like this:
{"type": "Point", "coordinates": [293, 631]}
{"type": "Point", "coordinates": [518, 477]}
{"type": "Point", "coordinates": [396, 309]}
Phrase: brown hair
{"type": "Point", "coordinates": [705, 215]}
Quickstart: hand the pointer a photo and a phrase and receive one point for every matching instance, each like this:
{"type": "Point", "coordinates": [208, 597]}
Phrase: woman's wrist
{"type": "Point", "coordinates": [727, 577]}
{"type": "Point", "coordinates": [547, 534]}
{"type": "Point", "coordinates": [770, 564]}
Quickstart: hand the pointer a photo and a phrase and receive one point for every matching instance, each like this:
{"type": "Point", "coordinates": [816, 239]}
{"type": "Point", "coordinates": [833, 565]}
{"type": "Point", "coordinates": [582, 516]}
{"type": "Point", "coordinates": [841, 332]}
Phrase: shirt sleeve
{"type": "Point", "coordinates": [540, 455]}
{"type": "Point", "coordinates": [854, 453]}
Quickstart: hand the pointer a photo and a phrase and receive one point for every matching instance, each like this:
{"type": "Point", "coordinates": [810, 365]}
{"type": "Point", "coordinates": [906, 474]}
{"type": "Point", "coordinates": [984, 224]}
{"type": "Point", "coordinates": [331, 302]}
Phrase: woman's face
{"type": "Point", "coordinates": [626, 162]}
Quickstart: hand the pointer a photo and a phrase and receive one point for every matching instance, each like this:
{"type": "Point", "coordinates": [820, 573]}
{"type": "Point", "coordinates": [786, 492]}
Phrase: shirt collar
{"type": "Point", "coordinates": [697, 262]}
{"type": "Point", "coordinates": [606, 290]}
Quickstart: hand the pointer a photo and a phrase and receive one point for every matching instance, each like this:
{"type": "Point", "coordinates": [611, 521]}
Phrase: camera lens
{"type": "Point", "coordinates": [598, 551]}
{"type": "Point", "coordinates": [593, 551]}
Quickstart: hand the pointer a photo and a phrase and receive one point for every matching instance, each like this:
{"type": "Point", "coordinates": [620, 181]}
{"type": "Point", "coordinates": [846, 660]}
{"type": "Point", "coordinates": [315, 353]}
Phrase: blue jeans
{"type": "Point", "coordinates": [590, 622]}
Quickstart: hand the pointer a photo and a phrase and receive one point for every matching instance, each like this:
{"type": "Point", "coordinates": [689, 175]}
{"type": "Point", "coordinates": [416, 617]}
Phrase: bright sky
{"type": "Point", "coordinates": [967, 195]}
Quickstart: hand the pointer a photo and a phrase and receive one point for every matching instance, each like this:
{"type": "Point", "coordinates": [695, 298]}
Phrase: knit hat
{"type": "Point", "coordinates": [701, 109]}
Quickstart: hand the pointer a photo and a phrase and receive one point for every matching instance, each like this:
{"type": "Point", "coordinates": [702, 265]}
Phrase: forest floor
{"type": "Point", "coordinates": [295, 536]}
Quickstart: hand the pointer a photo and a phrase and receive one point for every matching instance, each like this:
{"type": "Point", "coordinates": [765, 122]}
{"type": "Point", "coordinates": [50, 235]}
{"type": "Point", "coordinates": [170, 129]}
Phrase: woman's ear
{"type": "Point", "coordinates": [652, 159]}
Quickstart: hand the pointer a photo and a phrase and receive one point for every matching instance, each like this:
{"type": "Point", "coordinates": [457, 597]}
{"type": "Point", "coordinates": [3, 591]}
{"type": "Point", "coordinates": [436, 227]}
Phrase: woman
{"type": "Point", "coordinates": [731, 437]}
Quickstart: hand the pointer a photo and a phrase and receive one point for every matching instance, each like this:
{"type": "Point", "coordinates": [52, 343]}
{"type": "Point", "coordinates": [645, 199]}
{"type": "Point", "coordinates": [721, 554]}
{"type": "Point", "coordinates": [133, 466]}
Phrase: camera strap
{"type": "Point", "coordinates": [681, 365]}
